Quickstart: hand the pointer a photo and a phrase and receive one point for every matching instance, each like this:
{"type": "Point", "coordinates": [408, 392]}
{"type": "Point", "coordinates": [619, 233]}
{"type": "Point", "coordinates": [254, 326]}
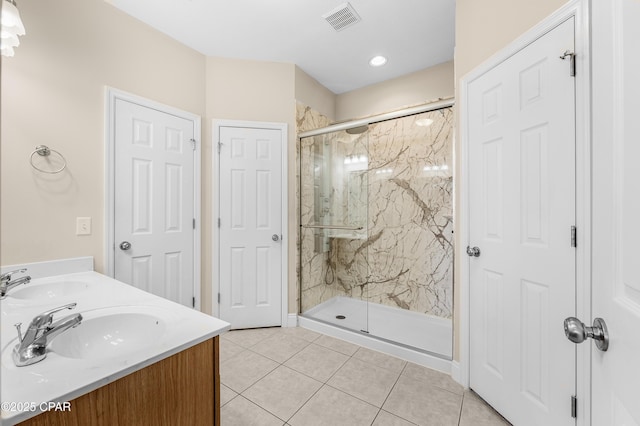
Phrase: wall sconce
{"type": "Point", "coordinates": [12, 27]}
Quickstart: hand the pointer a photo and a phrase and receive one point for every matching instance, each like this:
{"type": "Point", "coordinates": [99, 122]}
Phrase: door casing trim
{"type": "Point", "coordinates": [579, 9]}
{"type": "Point", "coordinates": [215, 209]}
{"type": "Point", "coordinates": [111, 95]}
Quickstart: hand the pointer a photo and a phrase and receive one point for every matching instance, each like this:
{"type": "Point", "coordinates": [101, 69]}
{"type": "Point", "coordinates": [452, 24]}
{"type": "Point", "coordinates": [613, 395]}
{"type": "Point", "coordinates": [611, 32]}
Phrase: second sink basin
{"type": "Point", "coordinates": [110, 333]}
{"type": "Point", "coordinates": [49, 290]}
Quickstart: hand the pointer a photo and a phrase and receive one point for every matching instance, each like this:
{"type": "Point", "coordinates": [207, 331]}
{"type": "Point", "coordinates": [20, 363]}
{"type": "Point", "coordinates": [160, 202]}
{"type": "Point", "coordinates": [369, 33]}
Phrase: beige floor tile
{"type": "Point", "coordinates": [249, 337]}
{"type": "Point", "coordinates": [330, 406]}
{"type": "Point", "coordinates": [226, 395]}
{"type": "Point", "coordinates": [229, 350]}
{"type": "Point", "coordinates": [388, 419]}
{"type": "Point", "coordinates": [422, 404]}
{"type": "Point", "coordinates": [337, 345]}
{"type": "Point", "coordinates": [433, 377]}
{"type": "Point", "coordinates": [282, 392]}
{"type": "Point", "coordinates": [301, 333]}
{"type": "Point", "coordinates": [317, 362]}
{"type": "Point", "coordinates": [381, 360]}
{"type": "Point", "coordinates": [476, 412]}
{"type": "Point", "coordinates": [280, 347]}
{"type": "Point", "coordinates": [241, 412]}
{"type": "Point", "coordinates": [244, 370]}
{"type": "Point", "coordinates": [365, 381]}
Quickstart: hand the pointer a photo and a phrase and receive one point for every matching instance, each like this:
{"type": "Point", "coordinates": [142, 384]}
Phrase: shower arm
{"type": "Point", "coordinates": [347, 228]}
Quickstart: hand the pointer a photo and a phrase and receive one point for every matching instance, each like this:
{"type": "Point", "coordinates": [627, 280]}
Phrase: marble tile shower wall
{"type": "Point", "coordinates": [404, 258]}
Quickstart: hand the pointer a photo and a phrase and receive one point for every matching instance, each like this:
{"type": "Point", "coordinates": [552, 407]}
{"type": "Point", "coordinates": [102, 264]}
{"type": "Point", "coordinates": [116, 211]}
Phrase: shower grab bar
{"type": "Point", "coordinates": [347, 228]}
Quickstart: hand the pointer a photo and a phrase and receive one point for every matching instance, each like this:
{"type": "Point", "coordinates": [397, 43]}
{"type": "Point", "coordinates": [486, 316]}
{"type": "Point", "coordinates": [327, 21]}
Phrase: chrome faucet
{"type": "Point", "coordinates": [33, 345]}
{"type": "Point", "coordinates": [7, 284]}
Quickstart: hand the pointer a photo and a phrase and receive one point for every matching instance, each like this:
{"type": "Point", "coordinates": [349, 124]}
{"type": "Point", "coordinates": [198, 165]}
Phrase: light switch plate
{"type": "Point", "coordinates": [83, 226]}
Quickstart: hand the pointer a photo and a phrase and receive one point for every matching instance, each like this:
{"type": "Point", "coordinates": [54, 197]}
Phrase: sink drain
{"type": "Point", "coordinates": [340, 317]}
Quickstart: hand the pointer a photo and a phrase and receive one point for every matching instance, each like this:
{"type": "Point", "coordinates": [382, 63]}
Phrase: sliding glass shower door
{"type": "Point", "coordinates": [333, 208]}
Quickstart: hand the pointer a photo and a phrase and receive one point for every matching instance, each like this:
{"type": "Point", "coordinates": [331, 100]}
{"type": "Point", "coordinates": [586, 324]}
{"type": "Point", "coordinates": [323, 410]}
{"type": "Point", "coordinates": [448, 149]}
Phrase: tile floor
{"type": "Point", "coordinates": [297, 377]}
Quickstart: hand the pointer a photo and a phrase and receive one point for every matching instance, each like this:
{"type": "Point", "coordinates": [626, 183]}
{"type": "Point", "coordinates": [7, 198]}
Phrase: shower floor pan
{"type": "Point", "coordinates": [426, 333]}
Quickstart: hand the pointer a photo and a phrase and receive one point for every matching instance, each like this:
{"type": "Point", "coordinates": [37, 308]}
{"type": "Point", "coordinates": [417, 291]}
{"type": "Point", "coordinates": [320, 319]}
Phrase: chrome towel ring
{"type": "Point", "coordinates": [45, 151]}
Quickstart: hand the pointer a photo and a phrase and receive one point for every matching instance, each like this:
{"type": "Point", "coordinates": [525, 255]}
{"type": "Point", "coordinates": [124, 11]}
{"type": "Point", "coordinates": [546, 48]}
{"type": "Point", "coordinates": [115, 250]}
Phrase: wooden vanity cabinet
{"type": "Point", "coordinates": [183, 389]}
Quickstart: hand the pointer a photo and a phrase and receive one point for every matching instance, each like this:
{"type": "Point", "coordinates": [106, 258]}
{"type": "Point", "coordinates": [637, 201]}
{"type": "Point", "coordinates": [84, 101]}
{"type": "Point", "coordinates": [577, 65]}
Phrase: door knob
{"type": "Point", "coordinates": [473, 251]}
{"type": "Point", "coordinates": [577, 332]}
{"type": "Point", "coordinates": [125, 245]}
{"type": "Point", "coordinates": [275, 237]}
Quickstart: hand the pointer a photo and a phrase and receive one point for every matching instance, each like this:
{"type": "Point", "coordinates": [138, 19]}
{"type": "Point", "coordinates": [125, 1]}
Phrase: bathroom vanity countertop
{"type": "Point", "coordinates": [60, 378]}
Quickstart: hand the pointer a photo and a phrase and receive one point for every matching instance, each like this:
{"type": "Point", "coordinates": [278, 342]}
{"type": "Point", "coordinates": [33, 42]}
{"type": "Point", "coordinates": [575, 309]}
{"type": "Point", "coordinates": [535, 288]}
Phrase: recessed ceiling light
{"type": "Point", "coordinates": [377, 61]}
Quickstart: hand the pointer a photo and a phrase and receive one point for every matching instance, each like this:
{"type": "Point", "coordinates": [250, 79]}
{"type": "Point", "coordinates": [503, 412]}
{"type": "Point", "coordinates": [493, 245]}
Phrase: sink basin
{"type": "Point", "coordinates": [49, 290]}
{"type": "Point", "coordinates": [106, 334]}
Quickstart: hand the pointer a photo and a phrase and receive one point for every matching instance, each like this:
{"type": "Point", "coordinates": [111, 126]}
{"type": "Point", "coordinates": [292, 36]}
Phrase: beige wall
{"type": "Point", "coordinates": [482, 29]}
{"type": "Point", "coordinates": [313, 94]}
{"type": "Point", "coordinates": [253, 91]}
{"type": "Point", "coordinates": [53, 94]}
{"type": "Point", "coordinates": [412, 89]}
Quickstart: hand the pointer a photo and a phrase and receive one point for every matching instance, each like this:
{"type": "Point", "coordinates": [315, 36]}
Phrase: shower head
{"type": "Point", "coordinates": [358, 130]}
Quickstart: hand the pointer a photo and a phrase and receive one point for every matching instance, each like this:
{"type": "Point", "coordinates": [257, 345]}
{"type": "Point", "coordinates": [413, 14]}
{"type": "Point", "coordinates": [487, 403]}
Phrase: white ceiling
{"type": "Point", "coordinates": [412, 34]}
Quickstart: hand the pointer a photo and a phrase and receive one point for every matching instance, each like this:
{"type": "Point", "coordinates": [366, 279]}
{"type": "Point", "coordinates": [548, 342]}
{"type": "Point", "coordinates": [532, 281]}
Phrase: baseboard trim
{"type": "Point", "coordinates": [292, 320]}
{"type": "Point", "coordinates": [456, 374]}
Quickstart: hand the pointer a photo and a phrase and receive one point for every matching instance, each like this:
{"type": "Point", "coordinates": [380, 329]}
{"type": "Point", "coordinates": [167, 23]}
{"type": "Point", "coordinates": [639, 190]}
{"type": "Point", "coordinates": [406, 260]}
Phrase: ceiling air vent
{"type": "Point", "coordinates": [342, 17]}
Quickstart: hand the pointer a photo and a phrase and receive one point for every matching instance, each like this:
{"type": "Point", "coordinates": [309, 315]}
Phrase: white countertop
{"type": "Point", "coordinates": [59, 378]}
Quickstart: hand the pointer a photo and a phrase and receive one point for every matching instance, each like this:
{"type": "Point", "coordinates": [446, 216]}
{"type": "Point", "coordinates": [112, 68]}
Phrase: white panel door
{"type": "Point", "coordinates": [616, 211]}
{"type": "Point", "coordinates": [250, 227]}
{"type": "Point", "coordinates": [522, 207]}
{"type": "Point", "coordinates": [154, 201]}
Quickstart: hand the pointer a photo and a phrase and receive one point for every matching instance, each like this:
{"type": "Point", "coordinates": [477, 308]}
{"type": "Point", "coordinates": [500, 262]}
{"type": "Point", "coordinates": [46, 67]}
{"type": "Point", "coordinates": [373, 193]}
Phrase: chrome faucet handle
{"type": "Point", "coordinates": [33, 345]}
{"type": "Point", "coordinates": [46, 318]}
{"type": "Point", "coordinates": [7, 275]}
{"type": "Point", "coordinates": [18, 326]}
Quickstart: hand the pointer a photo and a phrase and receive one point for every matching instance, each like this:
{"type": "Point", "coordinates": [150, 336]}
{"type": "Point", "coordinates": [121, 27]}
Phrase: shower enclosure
{"type": "Point", "coordinates": [376, 231]}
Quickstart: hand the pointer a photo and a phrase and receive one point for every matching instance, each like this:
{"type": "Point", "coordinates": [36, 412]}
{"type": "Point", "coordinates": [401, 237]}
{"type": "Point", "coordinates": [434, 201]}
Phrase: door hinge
{"type": "Point", "coordinates": [193, 144]}
{"type": "Point", "coordinates": [218, 222]}
{"type": "Point", "coordinates": [194, 223]}
{"type": "Point", "coordinates": [572, 61]}
{"type": "Point", "coordinates": [574, 238]}
{"type": "Point", "coordinates": [219, 147]}
{"type": "Point", "coordinates": [574, 406]}
{"type": "Point", "coordinates": [218, 297]}
{"type": "Point", "coordinates": [193, 302]}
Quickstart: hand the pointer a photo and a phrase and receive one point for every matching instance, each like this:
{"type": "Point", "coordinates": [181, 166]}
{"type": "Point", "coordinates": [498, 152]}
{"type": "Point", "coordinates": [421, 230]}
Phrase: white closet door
{"type": "Point", "coordinates": [154, 201]}
{"type": "Point", "coordinates": [522, 207]}
{"type": "Point", "coordinates": [250, 227]}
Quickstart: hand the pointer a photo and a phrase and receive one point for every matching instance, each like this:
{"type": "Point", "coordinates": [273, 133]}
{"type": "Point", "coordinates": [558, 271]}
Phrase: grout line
{"type": "Point", "coordinates": [461, 405]}
{"type": "Point", "coordinates": [234, 397]}
{"type": "Point", "coordinates": [377, 414]}
{"type": "Point", "coordinates": [275, 360]}
{"type": "Point", "coordinates": [305, 403]}
{"type": "Point", "coordinates": [392, 388]}
{"type": "Point", "coordinates": [262, 408]}
{"type": "Point", "coordinates": [352, 396]}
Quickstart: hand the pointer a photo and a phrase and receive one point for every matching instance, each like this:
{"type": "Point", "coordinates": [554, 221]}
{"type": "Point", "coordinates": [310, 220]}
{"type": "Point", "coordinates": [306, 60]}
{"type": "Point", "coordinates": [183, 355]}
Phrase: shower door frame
{"type": "Point", "coordinates": [380, 343]}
